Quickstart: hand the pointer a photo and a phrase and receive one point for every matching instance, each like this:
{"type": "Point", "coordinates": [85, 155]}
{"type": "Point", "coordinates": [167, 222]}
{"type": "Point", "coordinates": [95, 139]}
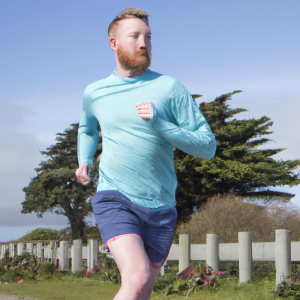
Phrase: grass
{"type": "Point", "coordinates": [70, 288]}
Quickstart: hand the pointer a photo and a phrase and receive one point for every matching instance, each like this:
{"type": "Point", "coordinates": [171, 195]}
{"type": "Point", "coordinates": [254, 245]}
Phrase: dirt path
{"type": "Point", "coordinates": [12, 297]}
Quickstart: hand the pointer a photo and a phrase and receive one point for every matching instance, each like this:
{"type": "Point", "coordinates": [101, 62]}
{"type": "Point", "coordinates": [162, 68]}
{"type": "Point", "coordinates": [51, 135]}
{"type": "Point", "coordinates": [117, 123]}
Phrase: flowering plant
{"type": "Point", "coordinates": [204, 278]}
{"type": "Point", "coordinates": [290, 287]}
{"type": "Point", "coordinates": [23, 266]}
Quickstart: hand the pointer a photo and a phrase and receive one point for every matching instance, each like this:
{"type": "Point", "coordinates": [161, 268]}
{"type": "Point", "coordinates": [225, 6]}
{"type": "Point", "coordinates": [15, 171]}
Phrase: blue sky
{"type": "Point", "coordinates": [51, 50]}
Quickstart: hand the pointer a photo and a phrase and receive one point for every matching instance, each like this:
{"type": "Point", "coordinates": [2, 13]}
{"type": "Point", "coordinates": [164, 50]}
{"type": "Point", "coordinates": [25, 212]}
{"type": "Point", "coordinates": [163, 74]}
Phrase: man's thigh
{"type": "Point", "coordinates": [129, 254]}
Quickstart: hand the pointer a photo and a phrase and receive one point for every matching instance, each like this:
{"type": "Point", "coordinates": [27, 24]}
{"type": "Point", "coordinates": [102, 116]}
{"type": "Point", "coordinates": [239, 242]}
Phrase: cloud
{"type": "Point", "coordinates": [19, 153]}
{"type": "Point", "coordinates": [12, 216]}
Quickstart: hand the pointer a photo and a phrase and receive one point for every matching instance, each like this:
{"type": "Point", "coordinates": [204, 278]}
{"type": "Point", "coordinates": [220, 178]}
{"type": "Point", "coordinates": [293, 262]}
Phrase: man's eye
{"type": "Point", "coordinates": [134, 36]}
{"type": "Point", "coordinates": [149, 37]}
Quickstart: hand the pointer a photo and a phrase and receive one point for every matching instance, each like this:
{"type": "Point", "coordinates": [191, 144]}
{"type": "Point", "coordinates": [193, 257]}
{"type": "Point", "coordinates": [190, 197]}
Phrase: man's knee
{"type": "Point", "coordinates": [137, 277]}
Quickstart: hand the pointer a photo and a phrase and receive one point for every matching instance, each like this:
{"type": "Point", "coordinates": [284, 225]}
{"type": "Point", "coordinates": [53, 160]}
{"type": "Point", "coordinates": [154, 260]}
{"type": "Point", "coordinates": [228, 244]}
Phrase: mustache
{"type": "Point", "coordinates": [143, 52]}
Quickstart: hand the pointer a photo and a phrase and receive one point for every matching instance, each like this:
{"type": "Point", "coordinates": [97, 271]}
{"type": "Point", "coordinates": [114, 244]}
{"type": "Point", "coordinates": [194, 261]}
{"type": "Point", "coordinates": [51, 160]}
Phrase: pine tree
{"type": "Point", "coordinates": [55, 188]}
{"type": "Point", "coordinates": [238, 166]}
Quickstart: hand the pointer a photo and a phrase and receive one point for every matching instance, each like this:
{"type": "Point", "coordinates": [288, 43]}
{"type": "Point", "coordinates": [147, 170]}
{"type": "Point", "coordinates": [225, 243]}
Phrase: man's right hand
{"type": "Point", "coordinates": [82, 174]}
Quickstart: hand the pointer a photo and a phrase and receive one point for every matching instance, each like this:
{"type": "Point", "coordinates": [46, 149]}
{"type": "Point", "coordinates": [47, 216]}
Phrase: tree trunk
{"type": "Point", "coordinates": [77, 225]}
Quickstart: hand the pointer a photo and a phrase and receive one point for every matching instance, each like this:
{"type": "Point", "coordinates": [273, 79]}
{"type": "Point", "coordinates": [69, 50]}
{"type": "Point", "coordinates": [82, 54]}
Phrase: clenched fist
{"type": "Point", "coordinates": [82, 174]}
{"type": "Point", "coordinates": [144, 110]}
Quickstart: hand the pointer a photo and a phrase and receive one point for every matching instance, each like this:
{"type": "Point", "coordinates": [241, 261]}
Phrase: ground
{"type": "Point", "coordinates": [87, 289]}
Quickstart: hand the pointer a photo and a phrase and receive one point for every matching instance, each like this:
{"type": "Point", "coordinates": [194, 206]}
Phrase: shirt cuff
{"type": "Point", "coordinates": [154, 115]}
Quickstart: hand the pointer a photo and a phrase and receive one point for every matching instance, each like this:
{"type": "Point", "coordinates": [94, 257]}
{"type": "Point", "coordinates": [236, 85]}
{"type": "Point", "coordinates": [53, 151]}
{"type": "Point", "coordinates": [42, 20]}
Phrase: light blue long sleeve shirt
{"type": "Point", "coordinates": [137, 155]}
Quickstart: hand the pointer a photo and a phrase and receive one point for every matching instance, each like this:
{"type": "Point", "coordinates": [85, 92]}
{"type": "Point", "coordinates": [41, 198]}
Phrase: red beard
{"type": "Point", "coordinates": [131, 62]}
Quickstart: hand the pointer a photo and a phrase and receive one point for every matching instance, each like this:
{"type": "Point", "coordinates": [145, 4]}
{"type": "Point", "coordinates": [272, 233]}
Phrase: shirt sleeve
{"type": "Point", "coordinates": [191, 134]}
{"type": "Point", "coordinates": [88, 135]}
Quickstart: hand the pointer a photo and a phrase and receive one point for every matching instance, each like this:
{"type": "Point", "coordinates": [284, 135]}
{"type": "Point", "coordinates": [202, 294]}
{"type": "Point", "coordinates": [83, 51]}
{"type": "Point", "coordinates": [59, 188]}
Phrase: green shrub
{"type": "Point", "coordinates": [46, 269]}
{"type": "Point", "coordinates": [2, 269]}
{"type": "Point", "coordinates": [290, 287]}
{"type": "Point", "coordinates": [79, 274]}
{"type": "Point", "coordinates": [24, 257]}
{"type": "Point", "coordinates": [263, 269]}
{"type": "Point", "coordinates": [8, 276]}
{"type": "Point", "coordinates": [168, 279]}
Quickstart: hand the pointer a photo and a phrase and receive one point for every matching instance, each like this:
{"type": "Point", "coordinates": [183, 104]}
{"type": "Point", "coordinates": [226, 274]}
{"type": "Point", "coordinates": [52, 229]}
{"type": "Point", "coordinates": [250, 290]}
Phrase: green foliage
{"type": "Point", "coordinates": [42, 234]}
{"type": "Point", "coordinates": [238, 166]}
{"type": "Point", "coordinates": [165, 283]}
{"type": "Point", "coordinates": [260, 270]}
{"type": "Point", "coordinates": [6, 258]}
{"type": "Point", "coordinates": [2, 269]}
{"type": "Point", "coordinates": [46, 269]}
{"type": "Point", "coordinates": [23, 266]}
{"type": "Point", "coordinates": [24, 257]}
{"type": "Point", "coordinates": [290, 287]}
{"type": "Point", "coordinates": [10, 275]}
{"type": "Point", "coordinates": [92, 232]}
{"type": "Point", "coordinates": [55, 187]}
{"type": "Point", "coordinates": [79, 274]}
{"type": "Point", "coordinates": [108, 269]}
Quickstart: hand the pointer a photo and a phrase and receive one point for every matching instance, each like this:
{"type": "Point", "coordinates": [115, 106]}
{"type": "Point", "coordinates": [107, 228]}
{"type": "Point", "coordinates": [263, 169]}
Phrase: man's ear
{"type": "Point", "coordinates": [113, 44]}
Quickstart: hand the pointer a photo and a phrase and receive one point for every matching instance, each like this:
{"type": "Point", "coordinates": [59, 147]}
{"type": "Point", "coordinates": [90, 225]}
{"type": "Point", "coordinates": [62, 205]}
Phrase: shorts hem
{"type": "Point", "coordinates": [158, 264]}
{"type": "Point", "coordinates": [118, 236]}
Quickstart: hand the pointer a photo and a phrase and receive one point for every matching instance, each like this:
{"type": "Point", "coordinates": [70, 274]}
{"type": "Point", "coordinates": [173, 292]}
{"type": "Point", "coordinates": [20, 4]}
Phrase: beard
{"type": "Point", "coordinates": [131, 62]}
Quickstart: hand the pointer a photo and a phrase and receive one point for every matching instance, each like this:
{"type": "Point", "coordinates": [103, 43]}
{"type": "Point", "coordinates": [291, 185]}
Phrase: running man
{"type": "Point", "coordinates": [143, 115]}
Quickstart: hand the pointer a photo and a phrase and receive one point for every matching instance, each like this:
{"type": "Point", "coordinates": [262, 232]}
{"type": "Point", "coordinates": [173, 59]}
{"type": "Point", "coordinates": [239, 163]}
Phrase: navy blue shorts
{"type": "Point", "coordinates": [116, 215]}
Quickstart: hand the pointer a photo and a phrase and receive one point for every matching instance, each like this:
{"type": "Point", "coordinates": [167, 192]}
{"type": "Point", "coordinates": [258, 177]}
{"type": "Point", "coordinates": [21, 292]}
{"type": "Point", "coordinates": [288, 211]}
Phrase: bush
{"type": "Point", "coordinates": [8, 276]}
{"type": "Point", "coordinates": [290, 287]}
{"type": "Point", "coordinates": [2, 269]}
{"type": "Point", "coordinates": [30, 259]}
{"type": "Point", "coordinates": [108, 269]}
{"type": "Point", "coordinates": [46, 269]}
{"type": "Point", "coordinates": [229, 214]}
{"type": "Point", "coordinates": [163, 282]}
{"type": "Point", "coordinates": [79, 274]}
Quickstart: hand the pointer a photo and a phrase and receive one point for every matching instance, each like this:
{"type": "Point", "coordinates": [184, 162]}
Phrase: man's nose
{"type": "Point", "coordinates": [142, 43]}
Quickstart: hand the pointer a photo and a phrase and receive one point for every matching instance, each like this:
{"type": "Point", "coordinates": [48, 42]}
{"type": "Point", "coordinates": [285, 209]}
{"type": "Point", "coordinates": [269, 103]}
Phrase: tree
{"type": "Point", "coordinates": [55, 188]}
{"type": "Point", "coordinates": [41, 234]}
{"type": "Point", "coordinates": [238, 166]}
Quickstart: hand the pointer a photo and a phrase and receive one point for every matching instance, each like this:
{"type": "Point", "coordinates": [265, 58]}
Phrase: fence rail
{"type": "Point", "coordinates": [282, 251]}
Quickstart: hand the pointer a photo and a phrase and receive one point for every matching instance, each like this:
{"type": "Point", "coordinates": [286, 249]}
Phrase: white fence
{"type": "Point", "coordinates": [282, 251]}
{"type": "Point", "coordinates": [62, 255]}
{"type": "Point", "coordinates": [229, 252]}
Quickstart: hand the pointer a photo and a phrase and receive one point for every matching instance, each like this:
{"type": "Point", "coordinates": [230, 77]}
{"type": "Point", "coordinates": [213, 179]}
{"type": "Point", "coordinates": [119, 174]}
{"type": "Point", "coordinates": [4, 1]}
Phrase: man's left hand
{"type": "Point", "coordinates": [144, 110]}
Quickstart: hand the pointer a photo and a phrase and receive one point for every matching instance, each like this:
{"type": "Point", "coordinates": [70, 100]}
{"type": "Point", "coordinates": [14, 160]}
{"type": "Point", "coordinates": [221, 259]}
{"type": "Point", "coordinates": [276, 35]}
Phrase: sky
{"type": "Point", "coordinates": [51, 50]}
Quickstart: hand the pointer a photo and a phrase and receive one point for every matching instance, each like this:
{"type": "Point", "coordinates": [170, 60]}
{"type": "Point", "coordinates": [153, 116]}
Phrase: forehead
{"type": "Point", "coordinates": [128, 25]}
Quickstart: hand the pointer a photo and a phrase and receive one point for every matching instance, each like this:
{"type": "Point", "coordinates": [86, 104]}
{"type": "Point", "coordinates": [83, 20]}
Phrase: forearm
{"type": "Point", "coordinates": [87, 144]}
{"type": "Point", "coordinates": [200, 143]}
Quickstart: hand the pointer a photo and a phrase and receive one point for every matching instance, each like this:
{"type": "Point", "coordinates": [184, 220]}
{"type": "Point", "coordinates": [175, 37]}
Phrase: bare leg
{"type": "Point", "coordinates": [147, 290]}
{"type": "Point", "coordinates": [133, 263]}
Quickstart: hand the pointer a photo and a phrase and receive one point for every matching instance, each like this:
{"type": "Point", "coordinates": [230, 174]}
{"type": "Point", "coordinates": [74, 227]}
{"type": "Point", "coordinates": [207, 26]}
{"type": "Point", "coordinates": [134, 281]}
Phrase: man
{"type": "Point", "coordinates": [143, 115]}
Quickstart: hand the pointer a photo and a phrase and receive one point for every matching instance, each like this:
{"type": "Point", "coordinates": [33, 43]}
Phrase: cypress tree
{"type": "Point", "coordinates": [55, 188]}
{"type": "Point", "coordinates": [239, 165]}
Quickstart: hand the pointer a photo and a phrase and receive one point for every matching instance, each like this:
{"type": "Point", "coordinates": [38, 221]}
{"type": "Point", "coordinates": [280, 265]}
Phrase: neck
{"type": "Point", "coordinates": [128, 73]}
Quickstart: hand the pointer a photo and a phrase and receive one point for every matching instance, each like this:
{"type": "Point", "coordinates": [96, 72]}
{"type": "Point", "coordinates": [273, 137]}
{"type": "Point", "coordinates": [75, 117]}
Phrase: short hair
{"type": "Point", "coordinates": [129, 12]}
